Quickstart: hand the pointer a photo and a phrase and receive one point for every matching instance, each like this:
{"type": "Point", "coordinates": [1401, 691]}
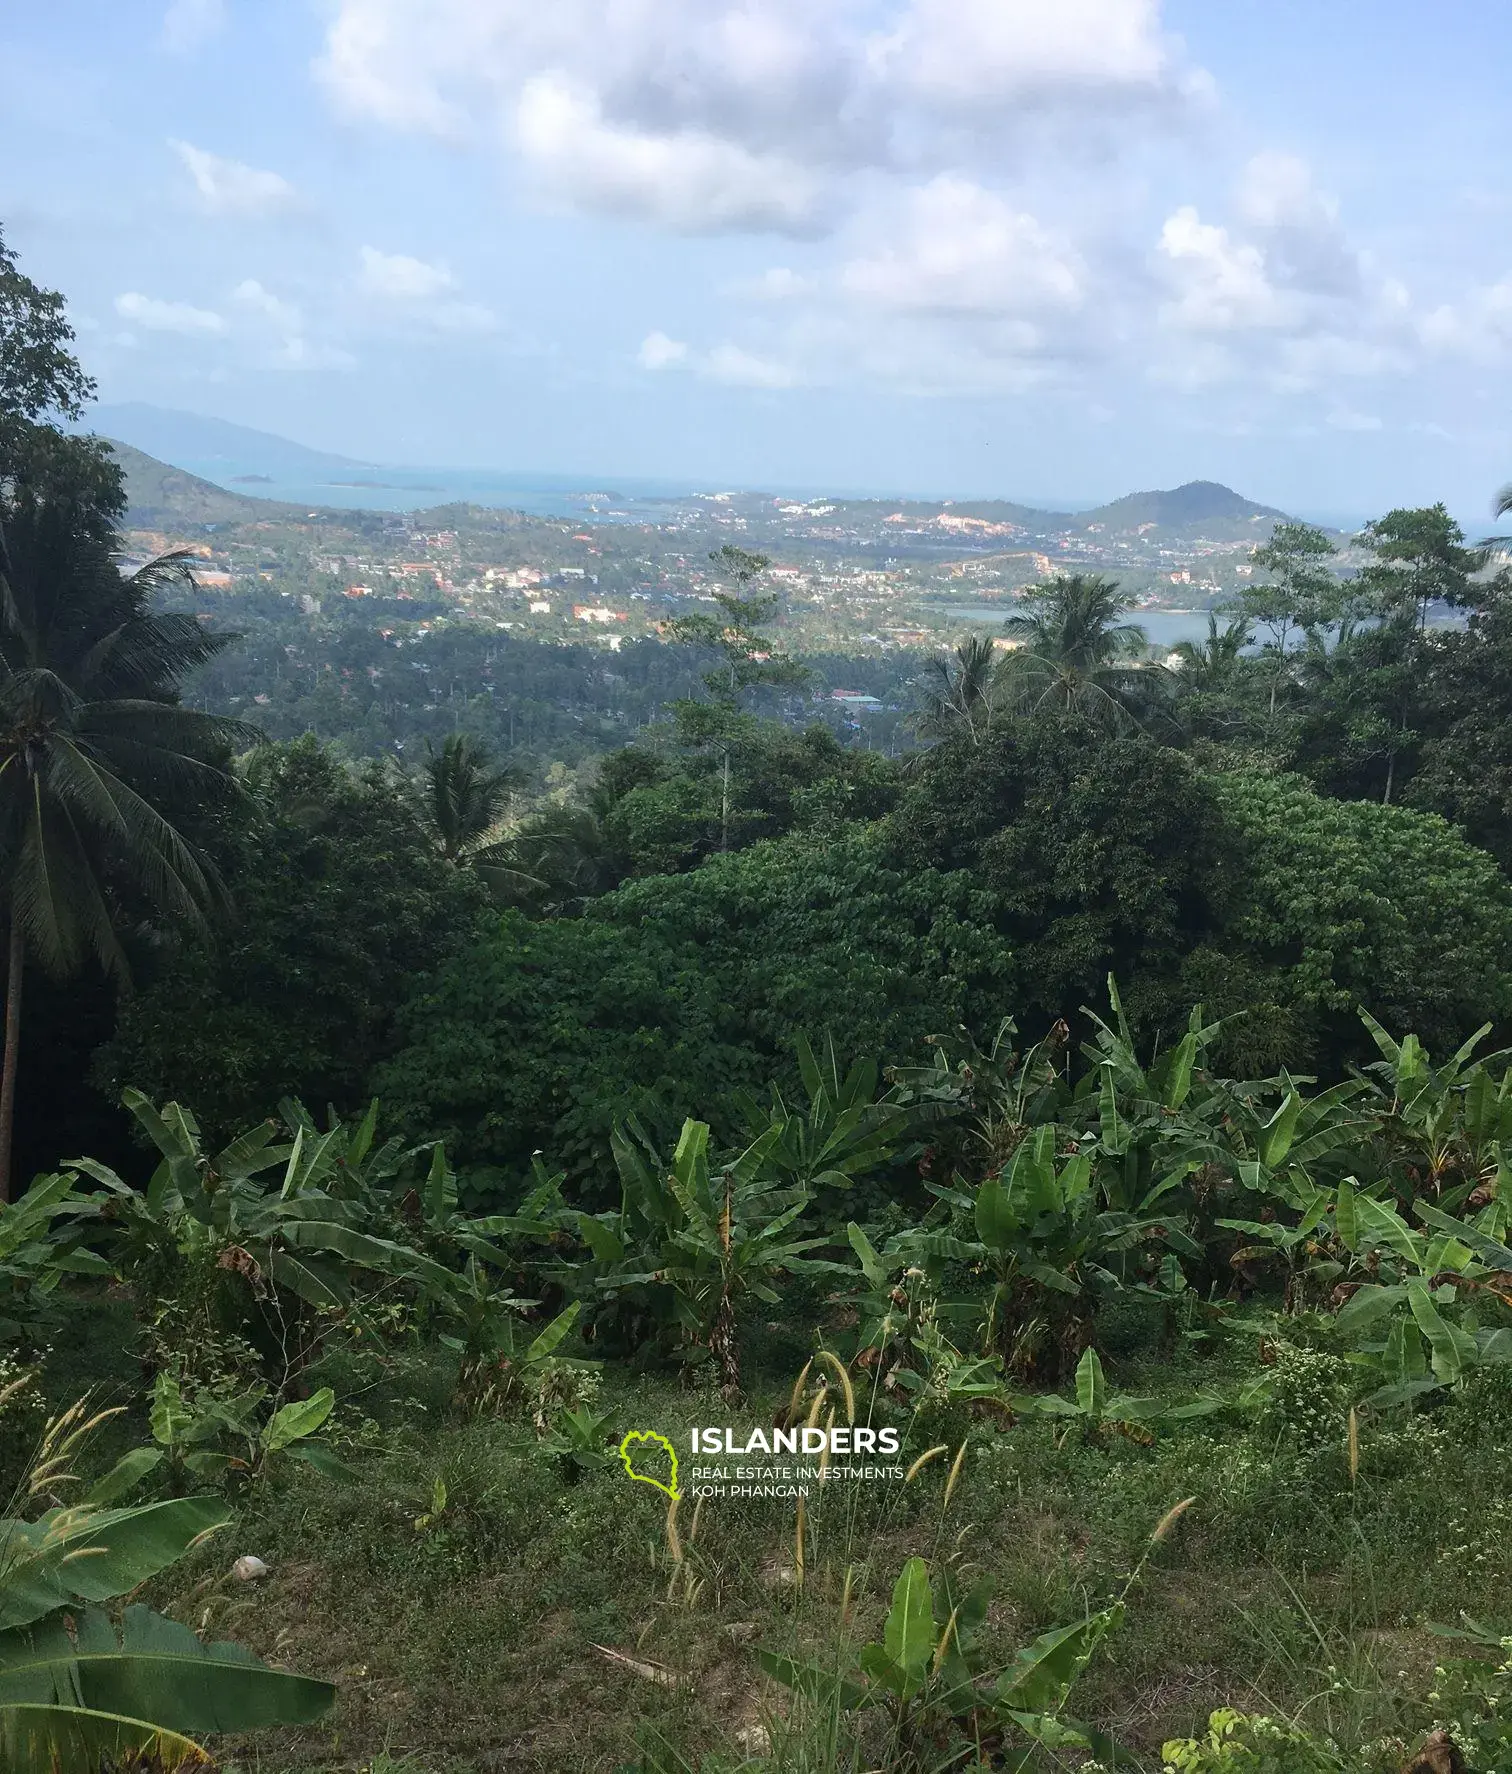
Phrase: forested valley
{"type": "Point", "coordinates": [1103, 1101]}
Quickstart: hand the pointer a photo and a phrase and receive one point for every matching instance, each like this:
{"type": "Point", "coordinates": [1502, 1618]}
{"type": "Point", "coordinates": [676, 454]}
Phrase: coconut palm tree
{"type": "Point", "coordinates": [1075, 657]}
{"type": "Point", "coordinates": [960, 692]}
{"type": "Point", "coordinates": [466, 796]}
{"type": "Point", "coordinates": [96, 755]}
{"type": "Point", "coordinates": [1212, 665]}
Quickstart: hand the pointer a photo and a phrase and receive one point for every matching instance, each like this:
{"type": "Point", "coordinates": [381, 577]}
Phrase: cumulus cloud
{"type": "Point", "coordinates": [967, 185]}
{"type": "Point", "coordinates": [729, 363]}
{"type": "Point", "coordinates": [397, 277]}
{"type": "Point", "coordinates": [989, 52]}
{"type": "Point", "coordinates": [420, 293]}
{"type": "Point", "coordinates": [716, 114]}
{"type": "Point", "coordinates": [227, 187]}
{"type": "Point", "coordinates": [685, 179]}
{"type": "Point", "coordinates": [168, 317]}
{"type": "Point", "coordinates": [956, 247]}
{"type": "Point", "coordinates": [262, 302]}
{"type": "Point", "coordinates": [746, 369]}
{"type": "Point", "coordinates": [187, 24]}
{"type": "Point", "coordinates": [1282, 296]}
{"type": "Point", "coordinates": [1219, 284]}
{"type": "Point", "coordinates": [657, 351]}
{"type": "Point", "coordinates": [1477, 327]}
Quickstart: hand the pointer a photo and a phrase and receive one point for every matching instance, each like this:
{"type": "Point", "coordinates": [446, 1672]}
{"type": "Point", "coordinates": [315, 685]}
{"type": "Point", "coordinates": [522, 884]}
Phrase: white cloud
{"type": "Point", "coordinates": [252, 296]}
{"type": "Point", "coordinates": [731, 364]}
{"type": "Point", "coordinates": [657, 351]}
{"type": "Point", "coordinates": [954, 247]}
{"type": "Point", "coordinates": [995, 51]}
{"type": "Point", "coordinates": [227, 187]}
{"type": "Point", "coordinates": [396, 277]}
{"type": "Point", "coordinates": [758, 114]}
{"type": "Point", "coordinates": [168, 317]}
{"type": "Point", "coordinates": [688, 179]}
{"type": "Point", "coordinates": [779, 283]}
{"type": "Point", "coordinates": [1298, 226]}
{"type": "Point", "coordinates": [1477, 327]}
{"type": "Point", "coordinates": [1219, 284]}
{"type": "Point", "coordinates": [187, 24]}
{"type": "Point", "coordinates": [745, 369]}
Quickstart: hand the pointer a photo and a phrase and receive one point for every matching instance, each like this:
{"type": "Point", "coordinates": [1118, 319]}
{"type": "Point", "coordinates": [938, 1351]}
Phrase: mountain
{"type": "Point", "coordinates": [212, 447]}
{"type": "Point", "coordinates": [160, 497]}
{"type": "Point", "coordinates": [1197, 504]}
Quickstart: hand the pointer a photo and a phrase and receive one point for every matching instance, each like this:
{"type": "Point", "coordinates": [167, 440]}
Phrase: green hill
{"type": "Point", "coordinates": [159, 497]}
{"type": "Point", "coordinates": [1200, 504]}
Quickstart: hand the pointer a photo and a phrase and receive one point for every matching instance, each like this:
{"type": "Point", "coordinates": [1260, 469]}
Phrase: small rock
{"type": "Point", "coordinates": [755, 1740]}
{"type": "Point", "coordinates": [742, 1630]}
{"type": "Point", "coordinates": [248, 1568]}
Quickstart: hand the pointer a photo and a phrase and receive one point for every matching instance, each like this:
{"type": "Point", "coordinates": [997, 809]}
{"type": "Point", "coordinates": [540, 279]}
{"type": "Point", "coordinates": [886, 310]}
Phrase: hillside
{"type": "Point", "coordinates": [159, 496]}
{"type": "Point", "coordinates": [1198, 504]}
{"type": "Point", "coordinates": [213, 446]}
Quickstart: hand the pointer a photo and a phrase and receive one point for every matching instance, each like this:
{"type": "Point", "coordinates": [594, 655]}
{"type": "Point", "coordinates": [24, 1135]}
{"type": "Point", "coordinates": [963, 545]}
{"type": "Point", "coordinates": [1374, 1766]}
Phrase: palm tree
{"type": "Point", "coordinates": [960, 692]}
{"type": "Point", "coordinates": [465, 796]}
{"type": "Point", "coordinates": [95, 753]}
{"type": "Point", "coordinates": [1212, 665]}
{"type": "Point", "coordinates": [1076, 658]}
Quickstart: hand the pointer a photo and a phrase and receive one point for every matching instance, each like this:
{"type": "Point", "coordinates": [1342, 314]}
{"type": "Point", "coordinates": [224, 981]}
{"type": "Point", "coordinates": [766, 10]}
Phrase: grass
{"type": "Point", "coordinates": [469, 1642]}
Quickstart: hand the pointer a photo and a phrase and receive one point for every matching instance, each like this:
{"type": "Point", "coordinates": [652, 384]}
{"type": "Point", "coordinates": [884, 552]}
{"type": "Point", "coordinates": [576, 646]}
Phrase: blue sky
{"type": "Point", "coordinates": [954, 246]}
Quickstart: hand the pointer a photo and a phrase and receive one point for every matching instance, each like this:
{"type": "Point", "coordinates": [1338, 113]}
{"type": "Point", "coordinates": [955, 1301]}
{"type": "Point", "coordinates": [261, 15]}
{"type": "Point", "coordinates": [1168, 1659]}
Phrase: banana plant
{"type": "Point", "coordinates": [1102, 1413]}
{"type": "Point", "coordinates": [705, 1235]}
{"type": "Point", "coordinates": [1053, 1250]}
{"type": "Point", "coordinates": [1003, 1089]}
{"type": "Point", "coordinates": [1450, 1125]}
{"type": "Point", "coordinates": [1421, 1305]}
{"type": "Point", "coordinates": [44, 1237]}
{"type": "Point", "coordinates": [502, 1358]}
{"type": "Point", "coordinates": [267, 1220]}
{"type": "Point", "coordinates": [83, 1689]}
{"type": "Point", "coordinates": [930, 1676]}
{"type": "Point", "coordinates": [234, 1436]}
{"type": "Point", "coordinates": [900, 1340]}
{"type": "Point", "coordinates": [846, 1131]}
{"type": "Point", "coordinates": [1302, 1246]}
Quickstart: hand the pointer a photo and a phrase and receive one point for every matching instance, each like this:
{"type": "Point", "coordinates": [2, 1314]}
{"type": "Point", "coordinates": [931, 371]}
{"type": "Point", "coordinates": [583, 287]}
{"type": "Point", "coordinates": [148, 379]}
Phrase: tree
{"type": "Point", "coordinates": [1465, 769]}
{"type": "Point", "coordinates": [1096, 854]}
{"type": "Point", "coordinates": [466, 797]}
{"type": "Point", "coordinates": [670, 994]}
{"type": "Point", "coordinates": [40, 380]}
{"type": "Point", "coordinates": [1212, 666]}
{"type": "Point", "coordinates": [1420, 559]}
{"type": "Point", "coordinates": [342, 906]}
{"type": "Point", "coordinates": [1301, 593]}
{"type": "Point", "coordinates": [96, 755]}
{"type": "Point", "coordinates": [1077, 660]}
{"type": "Point", "coordinates": [39, 375]}
{"type": "Point", "coordinates": [960, 692]}
{"type": "Point", "coordinates": [746, 660]}
{"type": "Point", "coordinates": [1338, 905]}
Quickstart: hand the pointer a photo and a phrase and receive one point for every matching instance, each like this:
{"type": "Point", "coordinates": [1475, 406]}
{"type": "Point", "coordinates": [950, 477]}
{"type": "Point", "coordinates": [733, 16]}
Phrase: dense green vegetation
{"type": "Point", "coordinates": [694, 1093]}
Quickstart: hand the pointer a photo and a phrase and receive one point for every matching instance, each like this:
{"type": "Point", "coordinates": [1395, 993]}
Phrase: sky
{"type": "Point", "coordinates": [966, 248]}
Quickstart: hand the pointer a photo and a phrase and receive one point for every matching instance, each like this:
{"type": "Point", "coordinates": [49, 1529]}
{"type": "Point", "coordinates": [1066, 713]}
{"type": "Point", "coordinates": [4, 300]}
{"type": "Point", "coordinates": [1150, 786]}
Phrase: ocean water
{"type": "Point", "coordinates": [412, 489]}
{"type": "Point", "coordinates": [1164, 627]}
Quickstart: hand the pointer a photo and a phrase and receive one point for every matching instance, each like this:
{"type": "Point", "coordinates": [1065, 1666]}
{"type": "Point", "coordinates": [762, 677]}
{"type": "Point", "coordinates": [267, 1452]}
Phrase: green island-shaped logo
{"type": "Point", "coordinates": [640, 1442]}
